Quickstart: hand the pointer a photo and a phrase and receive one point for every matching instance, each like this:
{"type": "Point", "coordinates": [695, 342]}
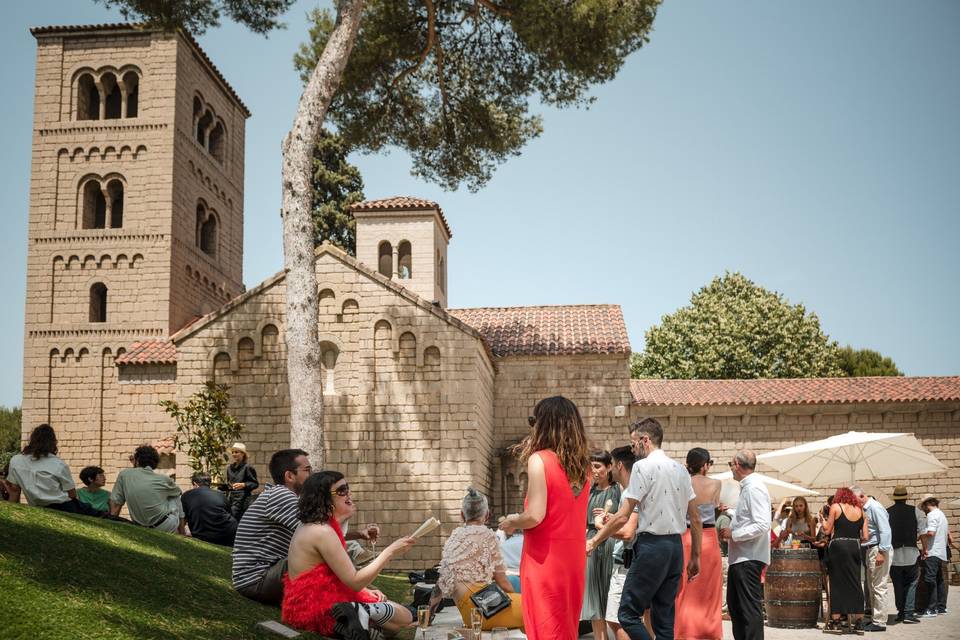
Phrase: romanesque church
{"type": "Point", "coordinates": [135, 294]}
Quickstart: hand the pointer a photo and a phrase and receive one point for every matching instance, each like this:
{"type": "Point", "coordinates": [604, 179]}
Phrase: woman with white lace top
{"type": "Point", "coordinates": [471, 560]}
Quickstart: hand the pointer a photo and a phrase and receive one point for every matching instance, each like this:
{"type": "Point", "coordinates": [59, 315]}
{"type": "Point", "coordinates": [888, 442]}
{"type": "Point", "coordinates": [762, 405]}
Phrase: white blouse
{"type": "Point", "coordinates": [471, 555]}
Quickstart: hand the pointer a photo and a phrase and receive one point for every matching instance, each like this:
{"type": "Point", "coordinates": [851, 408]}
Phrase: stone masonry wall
{"type": "Point", "coordinates": [405, 417]}
{"type": "Point", "coordinates": [724, 430]}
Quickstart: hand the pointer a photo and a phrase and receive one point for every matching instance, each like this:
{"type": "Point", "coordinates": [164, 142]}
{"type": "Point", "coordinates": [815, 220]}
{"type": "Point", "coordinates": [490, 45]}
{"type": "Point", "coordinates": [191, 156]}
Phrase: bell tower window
{"type": "Point", "coordinates": [206, 230]}
{"type": "Point", "coordinates": [131, 85]}
{"type": "Point", "coordinates": [385, 260]}
{"type": "Point", "coordinates": [88, 98]}
{"type": "Point", "coordinates": [404, 260]}
{"type": "Point", "coordinates": [115, 195]}
{"type": "Point", "coordinates": [94, 206]}
{"type": "Point", "coordinates": [98, 302]}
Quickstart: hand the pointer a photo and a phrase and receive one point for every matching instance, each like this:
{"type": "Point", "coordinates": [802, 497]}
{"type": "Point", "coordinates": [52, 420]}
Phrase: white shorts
{"type": "Point", "coordinates": [613, 595]}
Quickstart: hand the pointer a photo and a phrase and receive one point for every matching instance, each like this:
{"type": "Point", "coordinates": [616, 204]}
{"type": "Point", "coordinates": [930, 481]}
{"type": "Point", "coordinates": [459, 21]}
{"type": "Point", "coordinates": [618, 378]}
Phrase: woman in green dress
{"type": "Point", "coordinates": [604, 500]}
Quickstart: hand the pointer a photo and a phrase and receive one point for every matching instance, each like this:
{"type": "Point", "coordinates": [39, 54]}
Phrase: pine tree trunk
{"type": "Point", "coordinates": [303, 344]}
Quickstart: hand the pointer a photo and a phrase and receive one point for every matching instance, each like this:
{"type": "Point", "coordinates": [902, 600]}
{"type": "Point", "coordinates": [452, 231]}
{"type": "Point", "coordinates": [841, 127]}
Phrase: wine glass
{"type": "Point", "coordinates": [423, 619]}
{"type": "Point", "coordinates": [373, 542]}
{"type": "Point", "coordinates": [476, 623]}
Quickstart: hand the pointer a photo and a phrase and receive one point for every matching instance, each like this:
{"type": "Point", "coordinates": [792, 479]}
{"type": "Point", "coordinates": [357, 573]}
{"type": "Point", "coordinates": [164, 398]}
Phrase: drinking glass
{"type": "Point", "coordinates": [476, 623]}
{"type": "Point", "coordinates": [423, 619]}
{"type": "Point", "coordinates": [373, 544]}
{"type": "Point", "coordinates": [499, 633]}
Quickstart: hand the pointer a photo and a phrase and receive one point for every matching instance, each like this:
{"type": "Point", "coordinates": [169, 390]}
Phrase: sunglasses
{"type": "Point", "coordinates": [731, 464]}
{"type": "Point", "coordinates": [342, 491]}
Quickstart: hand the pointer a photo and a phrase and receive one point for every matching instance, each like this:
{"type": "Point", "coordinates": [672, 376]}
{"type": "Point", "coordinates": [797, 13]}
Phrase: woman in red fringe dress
{"type": "Point", "coordinates": [698, 602]}
{"type": "Point", "coordinates": [553, 562]}
{"type": "Point", "coordinates": [322, 590]}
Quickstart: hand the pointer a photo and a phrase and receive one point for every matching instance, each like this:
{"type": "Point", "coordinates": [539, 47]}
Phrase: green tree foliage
{"type": "Point", "coordinates": [336, 185]}
{"type": "Point", "coordinates": [196, 16]}
{"type": "Point", "coordinates": [205, 428]}
{"type": "Point", "coordinates": [11, 420]}
{"type": "Point", "coordinates": [866, 362]}
{"type": "Point", "coordinates": [451, 82]}
{"type": "Point", "coordinates": [734, 328]}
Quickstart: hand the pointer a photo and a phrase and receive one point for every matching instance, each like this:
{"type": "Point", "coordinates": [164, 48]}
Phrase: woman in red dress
{"type": "Point", "coordinates": [322, 590]}
{"type": "Point", "coordinates": [553, 564]}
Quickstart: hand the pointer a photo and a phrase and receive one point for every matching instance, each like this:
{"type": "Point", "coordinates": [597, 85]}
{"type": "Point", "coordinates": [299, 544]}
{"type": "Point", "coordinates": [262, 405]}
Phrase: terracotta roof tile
{"type": "Point", "coordinates": [149, 352]}
{"type": "Point", "coordinates": [550, 330]}
{"type": "Point", "coordinates": [402, 203]}
{"type": "Point", "coordinates": [134, 26]}
{"type": "Point", "coordinates": [795, 391]}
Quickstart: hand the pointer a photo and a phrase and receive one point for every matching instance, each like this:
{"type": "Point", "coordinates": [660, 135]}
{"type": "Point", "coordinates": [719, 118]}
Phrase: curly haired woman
{"type": "Point", "coordinates": [847, 527]}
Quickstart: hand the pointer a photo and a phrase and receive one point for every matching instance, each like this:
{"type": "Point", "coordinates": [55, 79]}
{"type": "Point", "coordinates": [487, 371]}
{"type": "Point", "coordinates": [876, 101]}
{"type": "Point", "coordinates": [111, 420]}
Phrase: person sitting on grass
{"type": "Point", "coordinates": [43, 478]}
{"type": "Point", "coordinates": [153, 499]}
{"type": "Point", "coordinates": [93, 493]}
{"type": "Point", "coordinates": [323, 591]}
{"type": "Point", "coordinates": [471, 560]}
{"type": "Point", "coordinates": [207, 512]}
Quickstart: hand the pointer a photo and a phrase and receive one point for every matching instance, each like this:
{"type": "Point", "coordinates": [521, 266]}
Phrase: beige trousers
{"type": "Point", "coordinates": [878, 578]}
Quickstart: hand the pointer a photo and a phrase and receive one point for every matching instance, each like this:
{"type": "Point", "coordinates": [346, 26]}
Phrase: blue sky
{"type": "Point", "coordinates": [813, 146]}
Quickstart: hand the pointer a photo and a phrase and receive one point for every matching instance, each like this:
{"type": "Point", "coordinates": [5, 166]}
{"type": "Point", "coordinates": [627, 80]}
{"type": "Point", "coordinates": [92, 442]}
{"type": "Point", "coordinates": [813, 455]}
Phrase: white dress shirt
{"type": "Point", "coordinates": [750, 528]}
{"type": "Point", "coordinates": [937, 525]}
{"type": "Point", "coordinates": [663, 490]}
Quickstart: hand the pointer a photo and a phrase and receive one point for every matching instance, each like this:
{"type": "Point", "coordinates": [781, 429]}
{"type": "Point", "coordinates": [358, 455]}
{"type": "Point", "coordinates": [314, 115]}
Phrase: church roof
{"type": "Point", "coordinates": [142, 28]}
{"type": "Point", "coordinates": [795, 391]}
{"type": "Point", "coordinates": [149, 352]}
{"type": "Point", "coordinates": [549, 330]}
{"type": "Point", "coordinates": [403, 203]}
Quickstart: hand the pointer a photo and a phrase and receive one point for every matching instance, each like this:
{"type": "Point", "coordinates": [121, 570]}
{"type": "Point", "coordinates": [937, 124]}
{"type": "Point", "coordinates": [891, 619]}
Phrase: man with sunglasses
{"type": "Point", "coordinates": [661, 491]}
{"type": "Point", "coordinates": [268, 524]}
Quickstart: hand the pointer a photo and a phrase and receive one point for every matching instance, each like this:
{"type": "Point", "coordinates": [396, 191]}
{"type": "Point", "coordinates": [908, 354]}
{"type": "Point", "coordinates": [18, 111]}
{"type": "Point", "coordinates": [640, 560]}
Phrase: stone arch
{"type": "Point", "coordinates": [92, 204]}
{"type": "Point", "coordinates": [73, 262]}
{"type": "Point", "coordinates": [87, 96]}
{"type": "Point", "coordinates": [384, 326]}
{"type": "Point", "coordinates": [266, 328]}
{"type": "Point", "coordinates": [105, 261]}
{"type": "Point", "coordinates": [350, 309]}
{"type": "Point", "coordinates": [202, 128]}
{"type": "Point", "coordinates": [98, 302]}
{"type": "Point", "coordinates": [431, 359]}
{"type": "Point", "coordinates": [139, 151]}
{"type": "Point", "coordinates": [330, 350]}
{"type": "Point", "coordinates": [89, 262]}
{"type": "Point", "coordinates": [217, 141]}
{"type": "Point", "coordinates": [228, 351]}
{"type": "Point", "coordinates": [112, 106]}
{"type": "Point", "coordinates": [407, 350]}
{"type": "Point", "coordinates": [124, 149]}
{"type": "Point", "coordinates": [246, 349]}
{"type": "Point", "coordinates": [136, 260]}
{"type": "Point", "coordinates": [120, 260]}
{"type": "Point", "coordinates": [92, 151]}
{"type": "Point", "coordinates": [114, 196]}
{"type": "Point", "coordinates": [130, 83]}
{"type": "Point", "coordinates": [110, 149]}
{"type": "Point", "coordinates": [327, 293]}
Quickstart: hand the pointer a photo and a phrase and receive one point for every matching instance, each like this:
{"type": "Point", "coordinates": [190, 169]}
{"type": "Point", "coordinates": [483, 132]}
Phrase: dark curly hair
{"type": "Point", "coordinates": [146, 456]}
{"type": "Point", "coordinates": [316, 503]}
{"type": "Point", "coordinates": [43, 442]}
{"type": "Point", "coordinates": [845, 496]}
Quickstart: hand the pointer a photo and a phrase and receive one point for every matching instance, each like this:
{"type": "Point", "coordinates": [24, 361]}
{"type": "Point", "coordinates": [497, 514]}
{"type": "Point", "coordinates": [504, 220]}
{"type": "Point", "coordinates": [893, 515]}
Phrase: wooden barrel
{"type": "Point", "coordinates": [792, 588]}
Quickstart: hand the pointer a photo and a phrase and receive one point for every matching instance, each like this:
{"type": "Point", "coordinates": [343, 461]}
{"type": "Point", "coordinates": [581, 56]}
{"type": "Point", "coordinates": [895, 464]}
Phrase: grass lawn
{"type": "Point", "coordinates": [68, 577]}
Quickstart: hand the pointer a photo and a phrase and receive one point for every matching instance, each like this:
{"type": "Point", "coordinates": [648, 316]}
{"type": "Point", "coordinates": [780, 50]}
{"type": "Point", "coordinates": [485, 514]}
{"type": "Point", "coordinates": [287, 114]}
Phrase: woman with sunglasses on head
{"type": "Point", "coordinates": [699, 601]}
{"type": "Point", "coordinates": [552, 566]}
{"type": "Point", "coordinates": [323, 591]}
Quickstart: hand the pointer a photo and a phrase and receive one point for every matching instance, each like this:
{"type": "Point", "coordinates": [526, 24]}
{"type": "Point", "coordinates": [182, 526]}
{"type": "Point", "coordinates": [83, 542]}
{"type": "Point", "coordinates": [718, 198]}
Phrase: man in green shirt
{"type": "Point", "coordinates": [152, 499]}
{"type": "Point", "coordinates": [93, 493]}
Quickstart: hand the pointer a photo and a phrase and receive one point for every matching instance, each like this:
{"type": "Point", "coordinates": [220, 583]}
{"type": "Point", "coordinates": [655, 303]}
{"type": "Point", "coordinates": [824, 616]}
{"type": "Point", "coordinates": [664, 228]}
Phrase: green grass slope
{"type": "Point", "coordinates": [65, 577]}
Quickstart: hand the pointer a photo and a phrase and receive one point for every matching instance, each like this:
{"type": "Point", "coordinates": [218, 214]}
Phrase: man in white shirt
{"type": "Point", "coordinates": [934, 539]}
{"type": "Point", "coordinates": [661, 491]}
{"type": "Point", "coordinates": [877, 552]}
{"type": "Point", "coordinates": [748, 549]}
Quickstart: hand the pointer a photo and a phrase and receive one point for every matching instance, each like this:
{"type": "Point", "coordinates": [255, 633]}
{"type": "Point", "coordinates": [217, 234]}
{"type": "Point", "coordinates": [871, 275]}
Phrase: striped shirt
{"type": "Point", "coordinates": [264, 533]}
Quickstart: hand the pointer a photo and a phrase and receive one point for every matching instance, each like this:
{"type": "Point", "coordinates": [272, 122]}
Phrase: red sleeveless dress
{"type": "Point", "coordinates": [307, 600]}
{"type": "Point", "coordinates": [553, 562]}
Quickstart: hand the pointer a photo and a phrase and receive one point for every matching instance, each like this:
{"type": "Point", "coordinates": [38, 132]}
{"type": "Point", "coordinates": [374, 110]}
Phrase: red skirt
{"type": "Point", "coordinates": [698, 603]}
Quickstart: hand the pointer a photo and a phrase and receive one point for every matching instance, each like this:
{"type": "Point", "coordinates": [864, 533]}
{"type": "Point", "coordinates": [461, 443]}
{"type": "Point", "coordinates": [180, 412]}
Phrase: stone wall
{"type": "Point", "coordinates": [598, 384]}
{"type": "Point", "coordinates": [723, 430]}
{"type": "Point", "coordinates": [407, 416]}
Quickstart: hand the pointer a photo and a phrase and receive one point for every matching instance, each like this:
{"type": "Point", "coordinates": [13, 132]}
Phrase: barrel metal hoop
{"type": "Point", "coordinates": [780, 603]}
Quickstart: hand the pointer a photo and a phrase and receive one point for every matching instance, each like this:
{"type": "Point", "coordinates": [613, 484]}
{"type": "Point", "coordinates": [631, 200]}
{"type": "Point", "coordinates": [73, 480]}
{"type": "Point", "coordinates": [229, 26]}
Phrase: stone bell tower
{"type": "Point", "coordinates": [136, 213]}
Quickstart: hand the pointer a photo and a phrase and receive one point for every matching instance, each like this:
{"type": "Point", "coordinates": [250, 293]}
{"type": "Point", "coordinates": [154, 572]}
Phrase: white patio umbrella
{"type": "Point", "coordinates": [778, 489]}
{"type": "Point", "coordinates": [853, 456]}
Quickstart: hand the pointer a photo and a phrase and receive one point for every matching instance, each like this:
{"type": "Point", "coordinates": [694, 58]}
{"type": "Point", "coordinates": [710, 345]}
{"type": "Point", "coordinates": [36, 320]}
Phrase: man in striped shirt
{"type": "Point", "coordinates": [265, 530]}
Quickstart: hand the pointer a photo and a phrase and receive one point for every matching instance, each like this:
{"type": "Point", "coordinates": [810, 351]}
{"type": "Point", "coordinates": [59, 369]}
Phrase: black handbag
{"type": "Point", "coordinates": [490, 600]}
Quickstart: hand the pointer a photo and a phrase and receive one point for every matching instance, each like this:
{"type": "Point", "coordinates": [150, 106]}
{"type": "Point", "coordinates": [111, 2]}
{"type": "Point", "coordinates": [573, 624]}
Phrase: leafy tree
{"type": "Point", "coordinates": [205, 428]}
{"type": "Point", "coordinates": [866, 362]}
{"type": "Point", "coordinates": [11, 420]}
{"type": "Point", "coordinates": [336, 185]}
{"type": "Point", "coordinates": [447, 80]}
{"type": "Point", "coordinates": [734, 328]}
{"type": "Point", "coordinates": [196, 16]}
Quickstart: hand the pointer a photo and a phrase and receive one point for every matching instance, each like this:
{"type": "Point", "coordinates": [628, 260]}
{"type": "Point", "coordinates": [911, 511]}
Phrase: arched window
{"type": "Point", "coordinates": [328, 356]}
{"type": "Point", "coordinates": [94, 206]}
{"type": "Point", "coordinates": [131, 85]}
{"type": "Point", "coordinates": [115, 202]}
{"type": "Point", "coordinates": [216, 142]}
{"type": "Point", "coordinates": [208, 235]}
{"type": "Point", "coordinates": [202, 125]}
{"type": "Point", "coordinates": [98, 302]}
{"type": "Point", "coordinates": [404, 260]}
{"type": "Point", "coordinates": [385, 259]}
{"type": "Point", "coordinates": [88, 98]}
{"type": "Point", "coordinates": [113, 100]}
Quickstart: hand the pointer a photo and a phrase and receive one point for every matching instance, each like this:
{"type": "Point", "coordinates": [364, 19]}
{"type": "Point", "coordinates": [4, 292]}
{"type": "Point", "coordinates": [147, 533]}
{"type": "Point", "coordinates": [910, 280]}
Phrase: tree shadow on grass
{"type": "Point", "coordinates": [105, 579]}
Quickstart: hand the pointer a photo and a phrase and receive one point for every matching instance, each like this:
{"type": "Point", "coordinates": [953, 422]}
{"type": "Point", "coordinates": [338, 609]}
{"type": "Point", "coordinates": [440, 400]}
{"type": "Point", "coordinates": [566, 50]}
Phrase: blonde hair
{"type": "Point", "coordinates": [557, 426]}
